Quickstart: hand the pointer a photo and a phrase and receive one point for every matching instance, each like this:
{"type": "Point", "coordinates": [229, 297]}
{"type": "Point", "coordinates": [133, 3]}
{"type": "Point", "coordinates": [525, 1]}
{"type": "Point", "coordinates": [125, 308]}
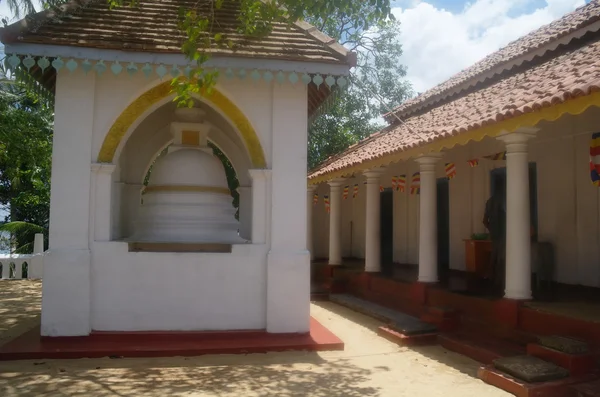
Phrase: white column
{"type": "Point", "coordinates": [373, 222]}
{"type": "Point", "coordinates": [245, 211]}
{"type": "Point", "coordinates": [261, 179]}
{"type": "Point", "coordinates": [5, 269]}
{"type": "Point", "coordinates": [335, 221]}
{"type": "Point", "coordinates": [131, 201]}
{"type": "Point", "coordinates": [518, 238]}
{"type": "Point", "coordinates": [36, 264]}
{"type": "Point", "coordinates": [288, 262]}
{"type": "Point", "coordinates": [310, 192]}
{"type": "Point", "coordinates": [66, 288]}
{"type": "Point", "coordinates": [102, 175]}
{"type": "Point", "coordinates": [428, 259]}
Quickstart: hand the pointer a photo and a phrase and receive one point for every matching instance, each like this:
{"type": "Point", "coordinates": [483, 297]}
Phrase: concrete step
{"type": "Point", "coordinates": [397, 321]}
{"type": "Point", "coordinates": [478, 347]}
{"type": "Point", "coordinates": [530, 369]}
{"type": "Point", "coordinates": [587, 389]}
{"type": "Point", "coordinates": [576, 364]}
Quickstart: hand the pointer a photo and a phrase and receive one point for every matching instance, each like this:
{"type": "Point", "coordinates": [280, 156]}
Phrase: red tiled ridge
{"type": "Point", "coordinates": [554, 31]}
{"type": "Point", "coordinates": [573, 74]}
{"type": "Point", "coordinates": [152, 26]}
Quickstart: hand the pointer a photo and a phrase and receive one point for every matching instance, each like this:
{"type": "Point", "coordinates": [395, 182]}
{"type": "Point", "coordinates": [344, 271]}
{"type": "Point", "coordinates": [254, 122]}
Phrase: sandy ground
{"type": "Point", "coordinates": [369, 366]}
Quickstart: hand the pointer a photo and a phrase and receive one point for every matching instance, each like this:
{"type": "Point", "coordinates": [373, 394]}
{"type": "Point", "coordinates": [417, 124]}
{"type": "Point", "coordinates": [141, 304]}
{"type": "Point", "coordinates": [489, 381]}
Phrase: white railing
{"type": "Point", "coordinates": [13, 266]}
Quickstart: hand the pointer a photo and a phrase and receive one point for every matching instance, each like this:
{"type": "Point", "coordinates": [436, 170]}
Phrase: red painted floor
{"type": "Point", "coordinates": [30, 346]}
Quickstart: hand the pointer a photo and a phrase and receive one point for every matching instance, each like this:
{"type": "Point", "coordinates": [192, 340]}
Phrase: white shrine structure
{"type": "Point", "coordinates": [171, 255]}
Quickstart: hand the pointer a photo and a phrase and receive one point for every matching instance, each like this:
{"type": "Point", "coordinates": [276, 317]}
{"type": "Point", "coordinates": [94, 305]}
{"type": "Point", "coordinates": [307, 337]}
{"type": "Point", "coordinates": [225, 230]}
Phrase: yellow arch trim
{"type": "Point", "coordinates": [154, 95]}
{"type": "Point", "coordinates": [575, 106]}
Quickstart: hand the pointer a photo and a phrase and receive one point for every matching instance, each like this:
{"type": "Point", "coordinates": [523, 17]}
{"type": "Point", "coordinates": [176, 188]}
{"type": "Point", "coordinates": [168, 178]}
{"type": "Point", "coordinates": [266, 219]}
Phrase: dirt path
{"type": "Point", "coordinates": [369, 366]}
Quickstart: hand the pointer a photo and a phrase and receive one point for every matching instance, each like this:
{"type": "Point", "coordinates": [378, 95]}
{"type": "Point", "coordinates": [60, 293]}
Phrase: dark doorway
{"type": "Point", "coordinates": [387, 232]}
{"type": "Point", "coordinates": [500, 175]}
{"type": "Point", "coordinates": [443, 227]}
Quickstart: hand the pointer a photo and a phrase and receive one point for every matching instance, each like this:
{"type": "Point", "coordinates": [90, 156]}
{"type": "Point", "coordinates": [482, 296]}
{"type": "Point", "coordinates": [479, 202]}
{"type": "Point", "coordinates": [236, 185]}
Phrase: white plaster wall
{"type": "Point", "coordinates": [568, 204]}
{"type": "Point", "coordinates": [140, 291]}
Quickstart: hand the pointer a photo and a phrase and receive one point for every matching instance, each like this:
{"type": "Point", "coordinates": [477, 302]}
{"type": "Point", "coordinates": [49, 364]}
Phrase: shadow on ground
{"type": "Point", "coordinates": [292, 374]}
{"type": "Point", "coordinates": [20, 309]}
{"type": "Point", "coordinates": [435, 352]}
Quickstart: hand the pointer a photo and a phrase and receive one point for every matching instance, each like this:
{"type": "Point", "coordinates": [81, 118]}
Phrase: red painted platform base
{"type": "Point", "coordinates": [407, 340]}
{"type": "Point", "coordinates": [577, 364]}
{"type": "Point", "coordinates": [558, 388]}
{"type": "Point", "coordinates": [158, 344]}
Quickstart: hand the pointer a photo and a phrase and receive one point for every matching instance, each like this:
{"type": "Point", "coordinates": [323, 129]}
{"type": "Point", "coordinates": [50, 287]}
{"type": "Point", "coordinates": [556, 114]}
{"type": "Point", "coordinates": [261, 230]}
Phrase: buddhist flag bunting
{"type": "Point", "coordinates": [394, 182]}
{"type": "Point", "coordinates": [346, 191]}
{"type": "Point", "coordinates": [326, 199]}
{"type": "Point", "coordinates": [595, 159]}
{"type": "Point", "coordinates": [473, 163]}
{"type": "Point", "coordinates": [355, 192]}
{"type": "Point", "coordinates": [315, 199]}
{"type": "Point", "coordinates": [415, 184]}
{"type": "Point", "coordinates": [401, 183]}
{"type": "Point", "coordinates": [381, 188]}
{"type": "Point", "coordinates": [450, 170]}
{"type": "Point", "coordinates": [497, 156]}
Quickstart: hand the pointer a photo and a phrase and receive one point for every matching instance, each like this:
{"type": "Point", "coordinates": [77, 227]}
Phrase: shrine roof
{"type": "Point", "coordinates": [152, 26]}
{"type": "Point", "coordinates": [562, 77]}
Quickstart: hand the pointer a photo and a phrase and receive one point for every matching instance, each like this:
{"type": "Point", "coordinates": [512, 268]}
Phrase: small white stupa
{"type": "Point", "coordinates": [187, 199]}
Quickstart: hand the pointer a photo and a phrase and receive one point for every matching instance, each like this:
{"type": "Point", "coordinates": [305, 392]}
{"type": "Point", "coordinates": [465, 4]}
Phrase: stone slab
{"type": "Point", "coordinates": [530, 369]}
{"type": "Point", "coordinates": [398, 321]}
{"type": "Point", "coordinates": [564, 344]}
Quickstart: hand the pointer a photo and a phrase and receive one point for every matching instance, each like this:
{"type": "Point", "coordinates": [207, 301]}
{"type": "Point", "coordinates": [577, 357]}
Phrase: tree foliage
{"type": "Point", "coordinates": [378, 83]}
{"type": "Point", "coordinates": [25, 160]}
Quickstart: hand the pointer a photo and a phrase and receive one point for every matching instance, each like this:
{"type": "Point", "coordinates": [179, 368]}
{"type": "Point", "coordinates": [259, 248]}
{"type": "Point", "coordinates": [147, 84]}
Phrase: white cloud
{"type": "Point", "coordinates": [438, 43]}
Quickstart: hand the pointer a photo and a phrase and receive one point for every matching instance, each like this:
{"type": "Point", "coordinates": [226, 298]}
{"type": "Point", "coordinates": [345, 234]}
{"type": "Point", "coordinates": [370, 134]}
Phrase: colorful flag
{"type": "Point", "coordinates": [497, 156]}
{"type": "Point", "coordinates": [394, 182]}
{"type": "Point", "coordinates": [415, 185]}
{"type": "Point", "coordinates": [473, 163]}
{"type": "Point", "coordinates": [595, 159]}
{"type": "Point", "coordinates": [315, 199]}
{"type": "Point", "coordinates": [450, 170]}
{"type": "Point", "coordinates": [346, 191]}
{"type": "Point", "coordinates": [381, 188]}
{"type": "Point", "coordinates": [326, 199]}
{"type": "Point", "coordinates": [355, 192]}
{"type": "Point", "coordinates": [401, 183]}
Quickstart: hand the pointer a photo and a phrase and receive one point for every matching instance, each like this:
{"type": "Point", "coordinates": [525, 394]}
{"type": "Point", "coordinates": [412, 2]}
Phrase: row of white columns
{"type": "Point", "coordinates": [518, 245]}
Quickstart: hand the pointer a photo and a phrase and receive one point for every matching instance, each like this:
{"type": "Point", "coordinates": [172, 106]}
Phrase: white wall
{"type": "Point", "coordinates": [568, 204]}
{"type": "Point", "coordinates": [137, 291]}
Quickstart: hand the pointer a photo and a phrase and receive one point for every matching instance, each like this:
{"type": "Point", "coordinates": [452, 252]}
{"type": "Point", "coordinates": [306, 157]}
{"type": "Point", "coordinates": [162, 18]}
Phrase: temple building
{"type": "Point", "coordinates": [143, 232]}
{"type": "Point", "coordinates": [398, 218]}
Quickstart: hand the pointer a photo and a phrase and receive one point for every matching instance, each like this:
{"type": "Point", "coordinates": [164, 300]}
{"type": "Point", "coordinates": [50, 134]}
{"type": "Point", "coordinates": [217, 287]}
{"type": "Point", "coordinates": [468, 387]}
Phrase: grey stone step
{"type": "Point", "coordinates": [398, 321]}
{"type": "Point", "coordinates": [564, 344]}
{"type": "Point", "coordinates": [530, 369]}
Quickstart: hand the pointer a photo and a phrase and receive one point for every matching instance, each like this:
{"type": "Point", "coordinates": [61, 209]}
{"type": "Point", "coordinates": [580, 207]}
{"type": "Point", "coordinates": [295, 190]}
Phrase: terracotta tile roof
{"type": "Point", "coordinates": [573, 74]}
{"type": "Point", "coordinates": [578, 19]}
{"type": "Point", "coordinates": [152, 27]}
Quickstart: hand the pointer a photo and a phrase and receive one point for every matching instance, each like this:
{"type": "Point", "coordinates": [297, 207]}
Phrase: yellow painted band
{"type": "Point", "coordinates": [573, 106]}
{"type": "Point", "coordinates": [186, 188]}
{"type": "Point", "coordinates": [149, 98]}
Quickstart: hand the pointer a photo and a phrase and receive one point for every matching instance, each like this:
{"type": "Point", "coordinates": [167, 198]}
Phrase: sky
{"type": "Point", "coordinates": [442, 37]}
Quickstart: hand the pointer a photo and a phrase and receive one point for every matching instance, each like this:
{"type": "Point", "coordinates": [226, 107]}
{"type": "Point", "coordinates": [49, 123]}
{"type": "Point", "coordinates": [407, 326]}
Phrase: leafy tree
{"type": "Point", "coordinates": [25, 162]}
{"type": "Point", "coordinates": [378, 83]}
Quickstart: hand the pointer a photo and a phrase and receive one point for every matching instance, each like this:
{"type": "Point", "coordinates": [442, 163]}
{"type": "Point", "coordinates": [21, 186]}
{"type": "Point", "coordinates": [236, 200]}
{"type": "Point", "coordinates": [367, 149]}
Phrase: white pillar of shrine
{"type": "Point", "coordinates": [428, 258]}
{"type": "Point", "coordinates": [245, 212]}
{"type": "Point", "coordinates": [518, 226]}
{"type": "Point", "coordinates": [310, 192]}
{"type": "Point", "coordinates": [102, 189]}
{"type": "Point", "coordinates": [335, 221]}
{"type": "Point", "coordinates": [261, 181]}
{"type": "Point", "coordinates": [373, 222]}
